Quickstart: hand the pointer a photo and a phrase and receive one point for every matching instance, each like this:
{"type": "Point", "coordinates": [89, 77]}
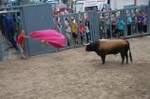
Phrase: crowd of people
{"type": "Point", "coordinates": [133, 23]}
{"type": "Point", "coordinates": [111, 24]}
{"type": "Point", "coordinates": [74, 29]}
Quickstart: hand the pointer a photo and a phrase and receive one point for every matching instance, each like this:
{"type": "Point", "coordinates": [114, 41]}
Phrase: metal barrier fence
{"type": "Point", "coordinates": [78, 28]}
{"type": "Point", "coordinates": [134, 21]}
{"type": "Point", "coordinates": [111, 24]}
{"type": "Point", "coordinates": [1, 53]}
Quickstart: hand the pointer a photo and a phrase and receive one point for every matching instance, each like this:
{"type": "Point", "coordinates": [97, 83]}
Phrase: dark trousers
{"type": "Point", "coordinates": [113, 30]}
{"type": "Point", "coordinates": [119, 33]}
{"type": "Point", "coordinates": [82, 38]}
{"type": "Point", "coordinates": [88, 37]}
{"type": "Point", "coordinates": [108, 33]}
{"type": "Point", "coordinates": [129, 29]}
{"type": "Point", "coordinates": [140, 27]}
{"type": "Point", "coordinates": [145, 28]}
{"type": "Point", "coordinates": [134, 28]}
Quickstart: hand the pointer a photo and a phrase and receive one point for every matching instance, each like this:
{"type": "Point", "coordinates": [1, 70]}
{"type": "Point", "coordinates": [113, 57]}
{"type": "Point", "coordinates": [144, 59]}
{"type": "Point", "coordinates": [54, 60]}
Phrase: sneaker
{"type": "Point", "coordinates": [77, 45]}
{"type": "Point", "coordinates": [24, 58]}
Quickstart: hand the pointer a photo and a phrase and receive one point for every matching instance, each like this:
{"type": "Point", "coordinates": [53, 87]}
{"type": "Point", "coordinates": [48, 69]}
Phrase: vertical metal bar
{"type": "Point", "coordinates": [123, 16]}
{"type": "Point", "coordinates": [106, 25]}
{"type": "Point", "coordinates": [111, 33]}
{"type": "Point", "coordinates": [22, 15]}
{"type": "Point", "coordinates": [125, 20]}
{"type": "Point", "coordinates": [62, 26]}
{"type": "Point", "coordinates": [91, 25]}
{"type": "Point", "coordinates": [1, 53]}
{"type": "Point", "coordinates": [78, 32]}
{"type": "Point", "coordinates": [97, 30]}
{"type": "Point", "coordinates": [148, 16]}
{"type": "Point", "coordinates": [84, 20]}
{"type": "Point", "coordinates": [132, 21]}
{"type": "Point", "coordinates": [146, 12]}
{"type": "Point", "coordinates": [94, 16]}
{"type": "Point", "coordinates": [70, 16]}
{"type": "Point", "coordinates": [136, 21]}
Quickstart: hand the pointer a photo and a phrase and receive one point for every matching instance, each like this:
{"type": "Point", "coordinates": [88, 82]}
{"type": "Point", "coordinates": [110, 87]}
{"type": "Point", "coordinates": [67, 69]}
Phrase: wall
{"type": "Point", "coordinates": [119, 4]}
{"type": "Point", "coordinates": [142, 2]}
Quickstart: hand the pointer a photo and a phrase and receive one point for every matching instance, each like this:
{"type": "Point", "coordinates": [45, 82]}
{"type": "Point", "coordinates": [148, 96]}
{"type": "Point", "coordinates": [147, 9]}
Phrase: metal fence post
{"type": "Point", "coordinates": [97, 33]}
{"type": "Point", "coordinates": [148, 16]}
{"type": "Point", "coordinates": [1, 53]}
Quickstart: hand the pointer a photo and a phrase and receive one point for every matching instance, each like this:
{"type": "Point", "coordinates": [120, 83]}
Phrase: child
{"type": "Point", "coordinates": [82, 32]}
{"type": "Point", "coordinates": [20, 43]}
{"type": "Point", "coordinates": [87, 30]}
{"type": "Point", "coordinates": [74, 31]}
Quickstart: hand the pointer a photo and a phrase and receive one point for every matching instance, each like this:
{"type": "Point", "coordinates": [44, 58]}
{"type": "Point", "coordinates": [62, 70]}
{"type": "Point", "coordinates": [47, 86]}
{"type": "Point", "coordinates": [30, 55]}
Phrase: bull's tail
{"type": "Point", "coordinates": [130, 55]}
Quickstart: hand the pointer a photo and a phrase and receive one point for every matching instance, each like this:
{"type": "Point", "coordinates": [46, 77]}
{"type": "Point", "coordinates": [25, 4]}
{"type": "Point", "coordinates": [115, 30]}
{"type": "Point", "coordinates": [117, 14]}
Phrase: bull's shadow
{"type": "Point", "coordinates": [97, 63]}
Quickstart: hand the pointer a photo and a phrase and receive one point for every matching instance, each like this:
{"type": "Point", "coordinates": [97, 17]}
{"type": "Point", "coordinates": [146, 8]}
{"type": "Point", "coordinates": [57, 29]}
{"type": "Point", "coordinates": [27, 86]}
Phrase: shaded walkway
{"type": "Point", "coordinates": [7, 50]}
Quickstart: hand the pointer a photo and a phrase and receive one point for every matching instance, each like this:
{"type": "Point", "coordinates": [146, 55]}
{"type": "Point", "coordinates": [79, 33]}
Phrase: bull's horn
{"type": "Point", "coordinates": [86, 44]}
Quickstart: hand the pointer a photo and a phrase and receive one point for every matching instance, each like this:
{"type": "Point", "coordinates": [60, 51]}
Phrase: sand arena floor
{"type": "Point", "coordinates": [76, 74]}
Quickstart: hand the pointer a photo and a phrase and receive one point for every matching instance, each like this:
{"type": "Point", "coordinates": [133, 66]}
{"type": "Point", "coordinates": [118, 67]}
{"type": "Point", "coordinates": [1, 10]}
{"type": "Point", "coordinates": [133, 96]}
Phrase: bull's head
{"type": "Point", "coordinates": [92, 46]}
{"type": "Point", "coordinates": [88, 47]}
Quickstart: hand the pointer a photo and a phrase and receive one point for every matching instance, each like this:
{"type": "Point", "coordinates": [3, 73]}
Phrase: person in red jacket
{"type": "Point", "coordinates": [20, 43]}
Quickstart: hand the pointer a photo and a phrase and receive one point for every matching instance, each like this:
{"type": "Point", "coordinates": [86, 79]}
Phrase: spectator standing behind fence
{"type": "Point", "coordinates": [87, 30]}
{"type": "Point", "coordinates": [74, 31]}
{"type": "Point", "coordinates": [120, 26]}
{"type": "Point", "coordinates": [67, 32]}
{"type": "Point", "coordinates": [82, 32]}
{"type": "Point", "coordinates": [140, 23]}
{"type": "Point", "coordinates": [108, 27]}
{"type": "Point", "coordinates": [144, 24]}
{"type": "Point", "coordinates": [129, 22]}
{"type": "Point", "coordinates": [113, 20]}
{"type": "Point", "coordinates": [59, 27]}
{"type": "Point", "coordinates": [134, 23]}
{"type": "Point", "coordinates": [101, 27]}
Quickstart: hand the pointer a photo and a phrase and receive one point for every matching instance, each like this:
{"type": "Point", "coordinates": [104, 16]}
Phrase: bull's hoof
{"type": "Point", "coordinates": [103, 63]}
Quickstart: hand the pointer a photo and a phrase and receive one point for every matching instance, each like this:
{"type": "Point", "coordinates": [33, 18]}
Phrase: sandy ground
{"type": "Point", "coordinates": [76, 74]}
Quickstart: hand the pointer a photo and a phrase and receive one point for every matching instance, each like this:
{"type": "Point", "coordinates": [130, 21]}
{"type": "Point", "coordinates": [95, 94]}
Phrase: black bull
{"type": "Point", "coordinates": [104, 47]}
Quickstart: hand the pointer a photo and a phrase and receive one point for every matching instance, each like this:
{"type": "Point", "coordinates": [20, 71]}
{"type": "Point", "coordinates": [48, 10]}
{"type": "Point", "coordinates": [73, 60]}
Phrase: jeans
{"type": "Point", "coordinates": [88, 36]}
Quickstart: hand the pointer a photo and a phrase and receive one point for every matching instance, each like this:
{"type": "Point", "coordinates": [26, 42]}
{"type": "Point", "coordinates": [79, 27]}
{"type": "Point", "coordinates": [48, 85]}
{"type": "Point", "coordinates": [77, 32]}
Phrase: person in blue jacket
{"type": "Point", "coordinates": [120, 26]}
